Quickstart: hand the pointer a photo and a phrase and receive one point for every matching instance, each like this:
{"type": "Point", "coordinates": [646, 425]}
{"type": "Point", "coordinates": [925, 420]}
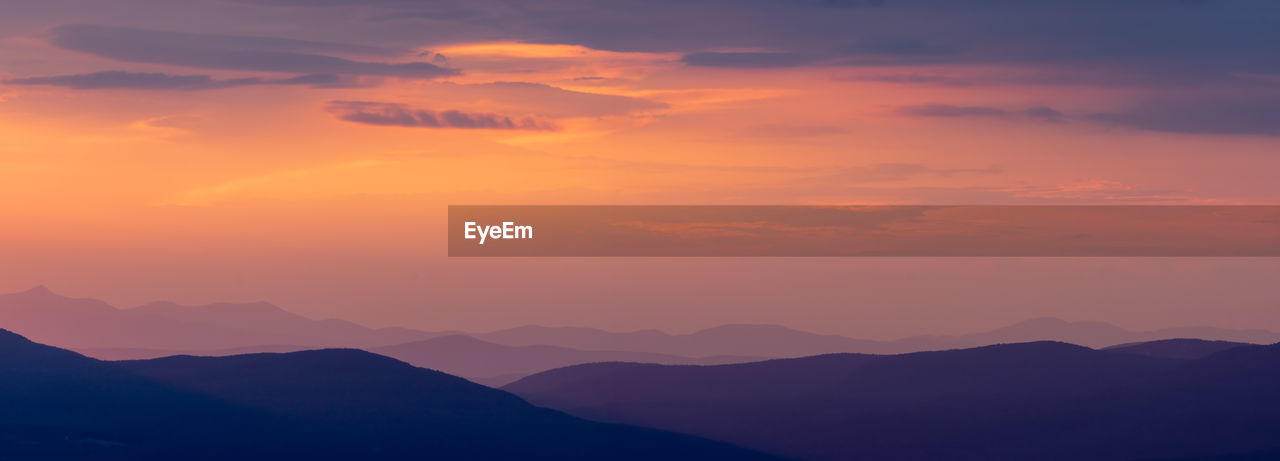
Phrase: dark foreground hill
{"type": "Point", "coordinates": [315, 405]}
{"type": "Point", "coordinates": [1042, 401]}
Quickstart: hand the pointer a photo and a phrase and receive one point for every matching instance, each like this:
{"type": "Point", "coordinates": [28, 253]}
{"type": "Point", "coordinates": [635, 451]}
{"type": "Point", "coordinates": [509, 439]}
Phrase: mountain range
{"type": "Point", "coordinates": [496, 364]}
{"type": "Point", "coordinates": [250, 377]}
{"type": "Point", "coordinates": [1178, 348]}
{"type": "Point", "coordinates": [89, 323]}
{"type": "Point", "coordinates": [1039, 400]}
{"type": "Point", "coordinates": [780, 342]}
{"type": "Point", "coordinates": [163, 329]}
{"type": "Point", "coordinates": [335, 404]}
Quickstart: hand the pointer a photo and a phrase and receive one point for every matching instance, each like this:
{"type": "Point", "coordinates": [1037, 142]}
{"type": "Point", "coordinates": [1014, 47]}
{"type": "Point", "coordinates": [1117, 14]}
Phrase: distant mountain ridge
{"type": "Point", "coordinates": [138, 353]}
{"type": "Point", "coordinates": [460, 355]}
{"type": "Point", "coordinates": [733, 339]}
{"type": "Point", "coordinates": [88, 323]}
{"type": "Point", "coordinates": [1098, 334]}
{"type": "Point", "coordinates": [495, 364]}
{"type": "Point", "coordinates": [1179, 348]}
{"type": "Point", "coordinates": [163, 328]}
{"type": "Point", "coordinates": [782, 342]}
{"type": "Point", "coordinates": [1041, 400]}
{"type": "Point", "coordinates": [335, 404]}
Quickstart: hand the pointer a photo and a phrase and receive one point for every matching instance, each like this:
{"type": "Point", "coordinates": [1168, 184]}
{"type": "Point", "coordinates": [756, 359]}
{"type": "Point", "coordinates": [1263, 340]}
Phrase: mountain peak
{"type": "Point", "coordinates": [38, 291]}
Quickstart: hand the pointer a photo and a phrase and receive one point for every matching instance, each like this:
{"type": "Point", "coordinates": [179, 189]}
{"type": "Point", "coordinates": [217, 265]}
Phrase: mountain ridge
{"type": "Point", "coordinates": [92, 324]}
{"type": "Point", "coordinates": [88, 324]}
{"type": "Point", "coordinates": [331, 404]}
{"type": "Point", "coordinates": [496, 364]}
{"type": "Point", "coordinates": [1041, 400]}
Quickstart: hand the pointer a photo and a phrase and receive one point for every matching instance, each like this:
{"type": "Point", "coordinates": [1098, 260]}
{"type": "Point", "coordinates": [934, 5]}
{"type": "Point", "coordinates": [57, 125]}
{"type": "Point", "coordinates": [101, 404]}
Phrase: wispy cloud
{"type": "Point", "coordinates": [758, 60]}
{"type": "Point", "coordinates": [546, 100]}
{"type": "Point", "coordinates": [390, 114]}
{"type": "Point", "coordinates": [1236, 113]}
{"type": "Point", "coordinates": [1257, 113]}
{"type": "Point", "coordinates": [228, 52]}
{"type": "Point", "coordinates": [1042, 113]}
{"type": "Point", "coordinates": [159, 81]}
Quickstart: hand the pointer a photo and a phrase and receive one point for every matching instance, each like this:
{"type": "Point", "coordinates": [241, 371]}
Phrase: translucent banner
{"type": "Point", "coordinates": [975, 230]}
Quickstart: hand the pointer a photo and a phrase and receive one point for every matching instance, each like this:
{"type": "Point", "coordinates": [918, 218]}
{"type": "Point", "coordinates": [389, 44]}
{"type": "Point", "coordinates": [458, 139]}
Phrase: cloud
{"type": "Point", "coordinates": [1042, 113]}
{"type": "Point", "coordinates": [947, 110]}
{"type": "Point", "coordinates": [908, 78]}
{"type": "Point", "coordinates": [1139, 42]}
{"type": "Point", "coordinates": [116, 79]}
{"type": "Point", "coordinates": [1148, 41]}
{"type": "Point", "coordinates": [544, 99]}
{"type": "Point", "coordinates": [864, 52]}
{"type": "Point", "coordinates": [1240, 114]}
{"type": "Point", "coordinates": [390, 114]}
{"type": "Point", "coordinates": [1243, 112]}
{"type": "Point", "coordinates": [749, 59]}
{"type": "Point", "coordinates": [264, 54]}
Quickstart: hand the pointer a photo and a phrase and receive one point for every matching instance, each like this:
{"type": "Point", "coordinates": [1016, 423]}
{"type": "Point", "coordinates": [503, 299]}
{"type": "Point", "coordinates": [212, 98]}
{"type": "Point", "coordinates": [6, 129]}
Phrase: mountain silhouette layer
{"type": "Point", "coordinates": [496, 364]}
{"type": "Point", "coordinates": [1179, 348]}
{"type": "Point", "coordinates": [781, 342]}
{"type": "Point", "coordinates": [1041, 400]}
{"type": "Point", "coordinates": [163, 328]}
{"type": "Point", "coordinates": [323, 404]}
{"type": "Point", "coordinates": [92, 324]}
{"type": "Point", "coordinates": [138, 353]}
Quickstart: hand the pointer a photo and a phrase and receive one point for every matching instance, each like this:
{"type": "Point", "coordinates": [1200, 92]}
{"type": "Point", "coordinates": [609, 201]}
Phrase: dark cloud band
{"type": "Point", "coordinates": [390, 114]}
{"type": "Point", "coordinates": [946, 110]}
{"type": "Point", "coordinates": [264, 54]}
{"type": "Point", "coordinates": [159, 81]}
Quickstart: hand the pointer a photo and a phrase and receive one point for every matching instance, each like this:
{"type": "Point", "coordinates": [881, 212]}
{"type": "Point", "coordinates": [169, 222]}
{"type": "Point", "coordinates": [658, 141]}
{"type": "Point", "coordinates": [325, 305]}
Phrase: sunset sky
{"type": "Point", "coordinates": [304, 151]}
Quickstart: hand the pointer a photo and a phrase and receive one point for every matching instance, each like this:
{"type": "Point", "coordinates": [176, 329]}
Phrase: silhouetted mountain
{"type": "Point", "coordinates": [92, 324]}
{"type": "Point", "coordinates": [1089, 334]}
{"type": "Point", "coordinates": [19, 354]}
{"type": "Point", "coordinates": [1040, 400]}
{"type": "Point", "coordinates": [460, 355]}
{"type": "Point", "coordinates": [1096, 334]}
{"type": "Point", "coordinates": [317, 405]}
{"type": "Point", "coordinates": [739, 340]}
{"type": "Point", "coordinates": [56, 404]}
{"type": "Point", "coordinates": [137, 353]}
{"type": "Point", "coordinates": [495, 364]}
{"type": "Point", "coordinates": [779, 342]}
{"type": "Point", "coordinates": [1181, 348]}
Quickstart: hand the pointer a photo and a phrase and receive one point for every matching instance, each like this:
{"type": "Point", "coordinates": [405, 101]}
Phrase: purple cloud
{"type": "Point", "coordinates": [391, 114]}
{"type": "Point", "coordinates": [1042, 113]}
{"type": "Point", "coordinates": [117, 79]}
{"type": "Point", "coordinates": [265, 54]}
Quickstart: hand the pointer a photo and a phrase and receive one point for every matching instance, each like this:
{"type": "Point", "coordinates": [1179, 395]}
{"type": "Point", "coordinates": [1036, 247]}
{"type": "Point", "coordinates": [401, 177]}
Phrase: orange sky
{"type": "Point", "coordinates": [134, 191]}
